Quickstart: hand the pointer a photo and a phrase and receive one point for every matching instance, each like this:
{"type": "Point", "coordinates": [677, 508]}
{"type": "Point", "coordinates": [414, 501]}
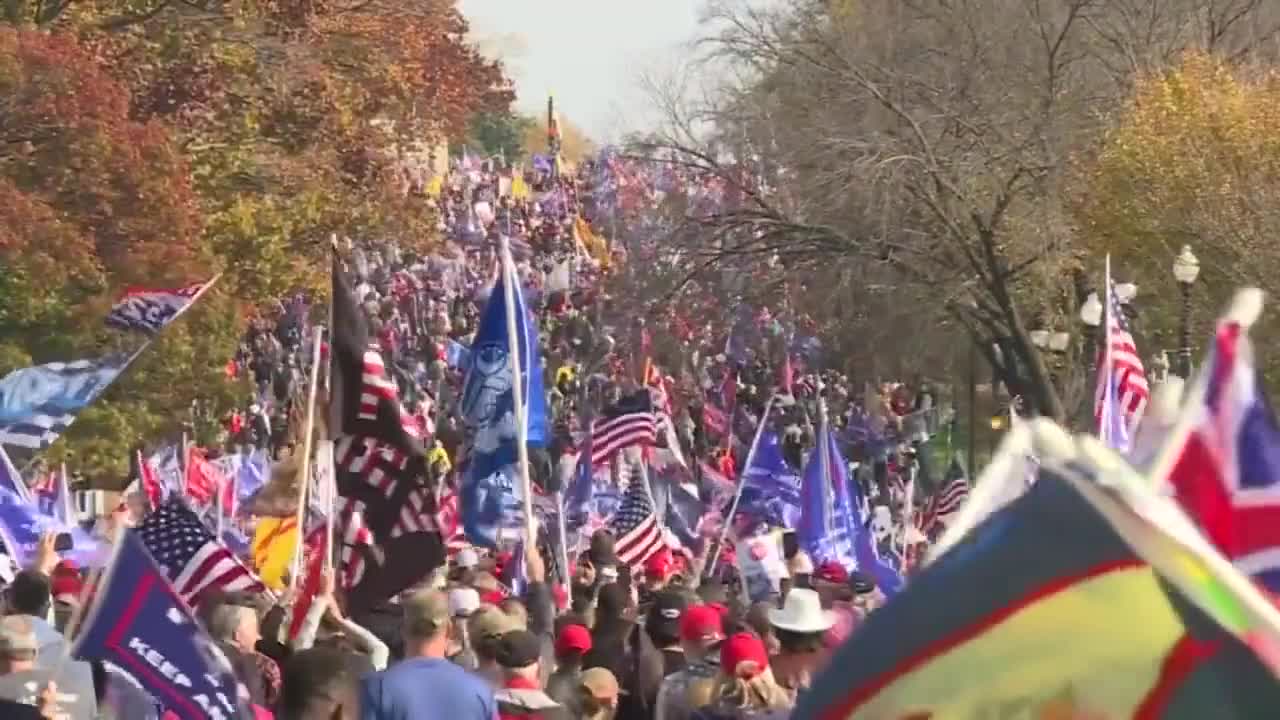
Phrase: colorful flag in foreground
{"type": "Point", "coordinates": [192, 558]}
{"type": "Point", "coordinates": [636, 527]}
{"type": "Point", "coordinates": [149, 311]}
{"type": "Point", "coordinates": [37, 404]}
{"type": "Point", "coordinates": [139, 625]}
{"type": "Point", "coordinates": [1227, 472]}
{"type": "Point", "coordinates": [1045, 586]}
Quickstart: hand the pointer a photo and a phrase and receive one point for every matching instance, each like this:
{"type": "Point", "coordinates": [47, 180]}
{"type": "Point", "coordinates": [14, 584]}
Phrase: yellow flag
{"type": "Point", "coordinates": [519, 189]}
{"type": "Point", "coordinates": [435, 186]}
{"type": "Point", "coordinates": [596, 246]}
{"type": "Point", "coordinates": [274, 541]}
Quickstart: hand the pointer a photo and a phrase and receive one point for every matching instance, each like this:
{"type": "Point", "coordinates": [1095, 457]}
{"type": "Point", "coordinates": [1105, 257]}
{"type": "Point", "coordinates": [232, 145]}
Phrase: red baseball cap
{"type": "Point", "coordinates": [743, 656]}
{"type": "Point", "coordinates": [832, 572]}
{"type": "Point", "coordinates": [702, 623]}
{"type": "Point", "coordinates": [659, 565]}
{"type": "Point", "coordinates": [573, 638]}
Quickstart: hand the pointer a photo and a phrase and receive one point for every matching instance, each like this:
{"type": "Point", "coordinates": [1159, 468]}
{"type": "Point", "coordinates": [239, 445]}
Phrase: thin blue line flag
{"type": "Point", "coordinates": [37, 404]}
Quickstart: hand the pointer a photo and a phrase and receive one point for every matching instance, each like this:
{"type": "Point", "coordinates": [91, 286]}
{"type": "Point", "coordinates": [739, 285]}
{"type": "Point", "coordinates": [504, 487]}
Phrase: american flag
{"type": "Point", "coordinates": [1122, 391]}
{"type": "Point", "coordinates": [357, 542]}
{"type": "Point", "coordinates": [1227, 472]}
{"type": "Point", "coordinates": [942, 504]}
{"type": "Point", "coordinates": [635, 527]}
{"type": "Point", "coordinates": [630, 421]}
{"type": "Point", "coordinates": [192, 559]}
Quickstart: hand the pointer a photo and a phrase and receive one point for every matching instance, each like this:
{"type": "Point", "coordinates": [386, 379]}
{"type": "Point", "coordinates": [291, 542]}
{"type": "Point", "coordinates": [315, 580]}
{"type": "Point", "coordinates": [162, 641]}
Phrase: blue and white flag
{"type": "Point", "coordinates": [770, 487]}
{"type": "Point", "coordinates": [139, 625]}
{"type": "Point", "coordinates": [828, 522]}
{"type": "Point", "coordinates": [456, 354]}
{"type": "Point", "coordinates": [22, 524]}
{"type": "Point", "coordinates": [488, 408]}
{"type": "Point", "coordinates": [37, 404]}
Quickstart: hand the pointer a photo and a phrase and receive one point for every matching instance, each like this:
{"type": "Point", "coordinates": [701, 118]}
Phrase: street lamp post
{"type": "Point", "coordinates": [1186, 268]}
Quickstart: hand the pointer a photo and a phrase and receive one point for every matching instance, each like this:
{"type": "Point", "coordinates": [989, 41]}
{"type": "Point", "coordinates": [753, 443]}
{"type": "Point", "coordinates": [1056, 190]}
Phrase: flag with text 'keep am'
{"type": "Point", "coordinates": [140, 625]}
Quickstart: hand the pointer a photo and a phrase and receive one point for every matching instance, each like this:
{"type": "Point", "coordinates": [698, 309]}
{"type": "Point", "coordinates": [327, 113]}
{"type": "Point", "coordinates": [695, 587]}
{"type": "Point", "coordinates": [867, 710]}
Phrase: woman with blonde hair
{"type": "Point", "coordinates": [744, 689]}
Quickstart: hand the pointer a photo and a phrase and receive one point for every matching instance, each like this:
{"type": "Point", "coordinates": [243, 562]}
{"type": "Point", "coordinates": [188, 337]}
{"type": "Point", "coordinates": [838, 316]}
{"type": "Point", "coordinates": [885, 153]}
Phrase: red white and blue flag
{"type": "Point", "coordinates": [1227, 469]}
{"type": "Point", "coordinates": [149, 311]}
{"type": "Point", "coordinates": [1122, 391]}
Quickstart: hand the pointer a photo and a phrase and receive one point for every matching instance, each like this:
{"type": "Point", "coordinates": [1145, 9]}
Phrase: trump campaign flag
{"type": "Point", "coordinates": [489, 409]}
{"type": "Point", "coordinates": [149, 311]}
{"type": "Point", "coordinates": [138, 624]}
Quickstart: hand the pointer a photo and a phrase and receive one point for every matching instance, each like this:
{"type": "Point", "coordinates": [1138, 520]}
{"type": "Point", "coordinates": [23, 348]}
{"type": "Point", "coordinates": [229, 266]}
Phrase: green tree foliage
{"type": "Point", "coordinates": [156, 143]}
{"type": "Point", "coordinates": [500, 134]}
{"type": "Point", "coordinates": [1193, 159]}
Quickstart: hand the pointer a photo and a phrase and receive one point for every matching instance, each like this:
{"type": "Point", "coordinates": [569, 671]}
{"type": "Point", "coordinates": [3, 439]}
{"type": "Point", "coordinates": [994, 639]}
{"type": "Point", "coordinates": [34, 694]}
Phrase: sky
{"type": "Point", "coordinates": [589, 53]}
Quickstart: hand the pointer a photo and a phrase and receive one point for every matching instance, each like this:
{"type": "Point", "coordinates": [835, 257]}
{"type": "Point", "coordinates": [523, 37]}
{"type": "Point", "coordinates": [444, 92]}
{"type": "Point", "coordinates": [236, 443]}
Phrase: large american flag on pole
{"type": "Point", "coordinates": [636, 529]}
{"type": "Point", "coordinates": [1122, 392]}
{"type": "Point", "coordinates": [192, 558]}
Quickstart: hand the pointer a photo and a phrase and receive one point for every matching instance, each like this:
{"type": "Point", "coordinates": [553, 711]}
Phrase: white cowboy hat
{"type": "Point", "coordinates": [802, 613]}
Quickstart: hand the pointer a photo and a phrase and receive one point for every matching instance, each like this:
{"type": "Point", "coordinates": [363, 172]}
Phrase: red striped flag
{"type": "Point", "coordinates": [629, 422]}
{"type": "Point", "coordinates": [1122, 392]}
{"type": "Point", "coordinates": [636, 528]}
{"type": "Point", "coordinates": [192, 558]}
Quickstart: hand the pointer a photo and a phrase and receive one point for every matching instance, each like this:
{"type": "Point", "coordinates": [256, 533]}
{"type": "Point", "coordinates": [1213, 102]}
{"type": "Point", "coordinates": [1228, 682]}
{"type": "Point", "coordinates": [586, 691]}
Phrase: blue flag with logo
{"type": "Point", "coordinates": [37, 404]}
{"type": "Point", "coordinates": [488, 408]}
{"type": "Point", "coordinates": [139, 625]}
{"type": "Point", "coordinates": [828, 522]}
{"type": "Point", "coordinates": [770, 487]}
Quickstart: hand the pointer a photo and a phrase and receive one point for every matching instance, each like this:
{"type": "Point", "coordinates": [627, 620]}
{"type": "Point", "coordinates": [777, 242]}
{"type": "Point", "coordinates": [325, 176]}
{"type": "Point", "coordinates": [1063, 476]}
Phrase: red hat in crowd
{"type": "Point", "coordinates": [573, 638]}
{"type": "Point", "coordinates": [702, 624]}
{"type": "Point", "coordinates": [832, 572]}
{"type": "Point", "coordinates": [743, 656]}
{"type": "Point", "coordinates": [659, 565]}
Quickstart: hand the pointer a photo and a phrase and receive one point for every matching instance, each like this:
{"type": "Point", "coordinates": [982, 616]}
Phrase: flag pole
{"type": "Point", "coordinates": [510, 289]}
{"type": "Point", "coordinates": [737, 495]}
{"type": "Point", "coordinates": [68, 507]}
{"type": "Point", "coordinates": [198, 294]}
{"type": "Point", "coordinates": [305, 479]}
{"type": "Point", "coordinates": [328, 491]}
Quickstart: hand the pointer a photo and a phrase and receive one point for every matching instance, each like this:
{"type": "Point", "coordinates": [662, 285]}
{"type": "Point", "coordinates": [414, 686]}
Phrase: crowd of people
{"type": "Point", "coordinates": [601, 639]}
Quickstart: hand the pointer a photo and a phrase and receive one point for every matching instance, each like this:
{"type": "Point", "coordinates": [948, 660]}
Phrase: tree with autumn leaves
{"type": "Point", "coordinates": [957, 171]}
{"type": "Point", "coordinates": [160, 142]}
